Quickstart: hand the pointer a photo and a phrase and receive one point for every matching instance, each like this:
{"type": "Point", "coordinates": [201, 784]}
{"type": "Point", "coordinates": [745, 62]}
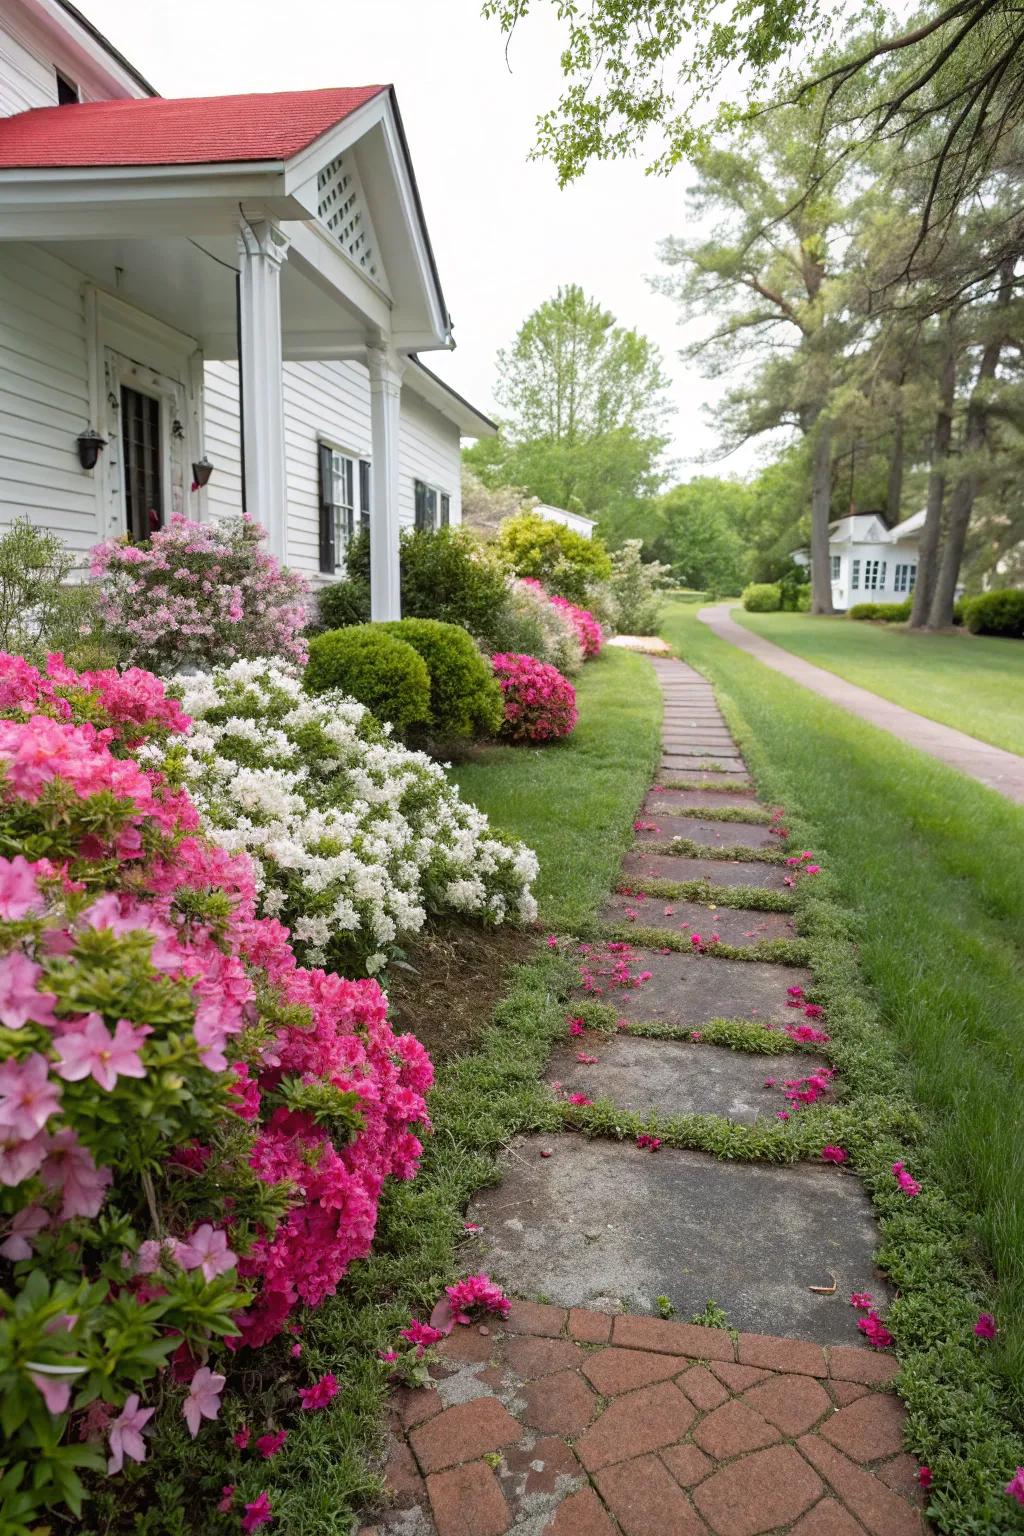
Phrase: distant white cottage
{"type": "Point", "coordinates": [871, 563]}
{"type": "Point", "coordinates": [214, 305]}
{"type": "Point", "coordinates": [575, 520]}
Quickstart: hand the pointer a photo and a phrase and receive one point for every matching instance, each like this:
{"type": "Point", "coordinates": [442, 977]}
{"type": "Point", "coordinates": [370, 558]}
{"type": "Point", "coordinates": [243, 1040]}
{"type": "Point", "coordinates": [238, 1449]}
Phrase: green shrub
{"type": "Point", "coordinates": [888, 613]}
{"type": "Point", "coordinates": [344, 603]}
{"type": "Point", "coordinates": [863, 611]}
{"type": "Point", "coordinates": [762, 597]}
{"type": "Point", "coordinates": [635, 585]}
{"type": "Point", "coordinates": [996, 613]}
{"type": "Point", "coordinates": [368, 664]}
{"type": "Point", "coordinates": [562, 559]}
{"type": "Point", "coordinates": [465, 696]}
{"type": "Point", "coordinates": [40, 610]}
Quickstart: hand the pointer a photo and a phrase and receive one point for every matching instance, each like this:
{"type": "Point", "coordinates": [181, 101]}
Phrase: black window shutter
{"type": "Point", "coordinates": [327, 551]}
{"type": "Point", "coordinates": [446, 510]}
{"type": "Point", "coordinates": [421, 504]}
{"type": "Point", "coordinates": [364, 493]}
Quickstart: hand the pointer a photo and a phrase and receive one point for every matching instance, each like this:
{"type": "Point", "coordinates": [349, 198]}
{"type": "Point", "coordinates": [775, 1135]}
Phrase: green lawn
{"type": "Point", "coordinates": [933, 866]}
{"type": "Point", "coordinates": [574, 801]}
{"type": "Point", "coordinates": [972, 682]}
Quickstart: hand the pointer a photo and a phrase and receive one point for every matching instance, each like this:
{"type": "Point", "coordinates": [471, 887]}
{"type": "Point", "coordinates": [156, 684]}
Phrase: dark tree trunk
{"type": "Point", "coordinates": [961, 505]}
{"type": "Point", "coordinates": [821, 507]}
{"type": "Point", "coordinates": [929, 542]}
{"type": "Point", "coordinates": [894, 489]}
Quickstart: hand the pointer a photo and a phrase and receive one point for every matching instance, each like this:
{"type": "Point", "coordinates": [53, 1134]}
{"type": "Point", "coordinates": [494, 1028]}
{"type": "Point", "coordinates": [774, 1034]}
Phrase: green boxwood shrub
{"type": "Point", "coordinates": [381, 671]}
{"type": "Point", "coordinates": [465, 697]}
{"type": "Point", "coordinates": [762, 597]}
{"type": "Point", "coordinates": [888, 613]}
{"type": "Point", "coordinates": [561, 558]}
{"type": "Point", "coordinates": [344, 603]}
{"type": "Point", "coordinates": [863, 611]}
{"type": "Point", "coordinates": [996, 613]}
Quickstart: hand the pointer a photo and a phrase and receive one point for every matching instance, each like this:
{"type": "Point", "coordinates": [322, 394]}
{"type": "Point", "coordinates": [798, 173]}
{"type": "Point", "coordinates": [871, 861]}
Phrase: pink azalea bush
{"type": "Point", "coordinates": [540, 704]}
{"type": "Point", "coordinates": [194, 1132]}
{"type": "Point", "coordinates": [588, 630]}
{"type": "Point", "coordinates": [200, 593]}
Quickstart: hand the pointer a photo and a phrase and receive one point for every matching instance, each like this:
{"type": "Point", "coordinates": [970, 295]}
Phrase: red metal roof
{"type": "Point", "coordinates": [157, 131]}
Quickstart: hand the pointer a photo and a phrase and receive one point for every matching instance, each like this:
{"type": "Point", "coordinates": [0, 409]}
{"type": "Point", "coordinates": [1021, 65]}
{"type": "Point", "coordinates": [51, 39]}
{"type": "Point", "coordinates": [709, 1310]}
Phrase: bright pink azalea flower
{"type": "Point", "coordinates": [203, 1400]}
{"type": "Point", "coordinates": [580, 1100]}
{"type": "Point", "coordinates": [241, 1437]}
{"type": "Point", "coordinates": [227, 1498]}
{"type": "Point", "coordinates": [422, 1335]}
{"type": "Point", "coordinates": [875, 1331]}
{"type": "Point", "coordinates": [19, 1000]}
{"type": "Point", "coordinates": [295, 1351]}
{"type": "Point", "coordinates": [834, 1155]}
{"type": "Point", "coordinates": [28, 1096]}
{"type": "Point", "coordinates": [814, 1011]}
{"type": "Point", "coordinates": [478, 1291]}
{"type": "Point", "coordinates": [26, 1223]}
{"type": "Point", "coordinates": [648, 1143]}
{"type": "Point", "coordinates": [985, 1327]}
{"type": "Point", "coordinates": [207, 1250]}
{"type": "Point", "coordinates": [56, 1392]}
{"type": "Point", "coordinates": [126, 1434]}
{"type": "Point", "coordinates": [93, 1051]}
{"type": "Point", "coordinates": [257, 1513]}
{"type": "Point", "coordinates": [924, 1477]}
{"type": "Point", "coordinates": [576, 1026]}
{"type": "Point", "coordinates": [269, 1445]}
{"type": "Point", "coordinates": [320, 1393]}
{"type": "Point", "coordinates": [1015, 1487]}
{"type": "Point", "coordinates": [861, 1300]}
{"type": "Point", "coordinates": [19, 894]}
{"type": "Point", "coordinates": [909, 1185]}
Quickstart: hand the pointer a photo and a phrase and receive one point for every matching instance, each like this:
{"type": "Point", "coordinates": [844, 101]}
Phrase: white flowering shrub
{"type": "Point", "coordinates": [356, 840]}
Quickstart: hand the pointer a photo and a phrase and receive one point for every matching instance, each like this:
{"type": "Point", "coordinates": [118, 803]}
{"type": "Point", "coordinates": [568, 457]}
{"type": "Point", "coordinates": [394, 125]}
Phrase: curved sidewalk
{"type": "Point", "coordinates": [991, 766]}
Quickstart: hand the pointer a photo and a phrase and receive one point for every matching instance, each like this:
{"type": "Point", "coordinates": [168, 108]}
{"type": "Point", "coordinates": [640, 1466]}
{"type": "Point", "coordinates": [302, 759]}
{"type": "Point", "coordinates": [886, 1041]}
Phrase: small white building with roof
{"type": "Point", "coordinates": [575, 520]}
{"type": "Point", "coordinates": [871, 563]}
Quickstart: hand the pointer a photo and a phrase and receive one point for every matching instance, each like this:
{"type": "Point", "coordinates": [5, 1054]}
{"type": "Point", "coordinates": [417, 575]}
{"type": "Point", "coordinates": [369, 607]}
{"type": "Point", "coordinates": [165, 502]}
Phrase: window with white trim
{"type": "Point", "coordinates": [906, 576]}
{"type": "Point", "coordinates": [344, 503]}
{"type": "Point", "coordinates": [855, 576]}
{"type": "Point", "coordinates": [433, 506]}
{"type": "Point", "coordinates": [874, 575]}
{"type": "Point", "coordinates": [836, 566]}
{"type": "Point", "coordinates": [141, 446]}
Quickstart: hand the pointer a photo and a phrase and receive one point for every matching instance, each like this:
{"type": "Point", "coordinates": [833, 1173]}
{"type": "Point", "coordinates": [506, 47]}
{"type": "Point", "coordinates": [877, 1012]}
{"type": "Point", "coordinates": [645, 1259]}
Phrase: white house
{"type": "Point", "coordinates": [574, 520]}
{"type": "Point", "coordinates": [242, 281]}
{"type": "Point", "coordinates": [871, 563]}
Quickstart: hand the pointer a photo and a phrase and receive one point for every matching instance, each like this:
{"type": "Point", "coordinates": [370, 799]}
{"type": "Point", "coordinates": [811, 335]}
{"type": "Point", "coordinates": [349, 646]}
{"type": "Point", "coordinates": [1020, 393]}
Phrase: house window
{"type": "Point", "coordinates": [143, 462]}
{"type": "Point", "coordinates": [446, 509]}
{"type": "Point", "coordinates": [906, 575]}
{"type": "Point", "coordinates": [855, 576]}
{"type": "Point", "coordinates": [344, 503]}
{"type": "Point", "coordinates": [836, 562]}
{"type": "Point", "coordinates": [67, 91]}
{"type": "Point", "coordinates": [874, 575]}
{"type": "Point", "coordinates": [425, 501]}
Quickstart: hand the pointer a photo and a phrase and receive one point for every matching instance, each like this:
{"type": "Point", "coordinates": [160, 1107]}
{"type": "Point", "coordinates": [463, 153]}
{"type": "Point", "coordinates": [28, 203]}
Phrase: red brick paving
{"type": "Point", "coordinates": [669, 1429]}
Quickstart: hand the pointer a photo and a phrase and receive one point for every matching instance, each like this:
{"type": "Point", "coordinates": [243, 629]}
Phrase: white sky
{"type": "Point", "coordinates": [503, 233]}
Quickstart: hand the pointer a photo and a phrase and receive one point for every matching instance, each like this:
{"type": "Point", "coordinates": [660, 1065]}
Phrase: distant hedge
{"type": "Point", "coordinates": [762, 597]}
{"type": "Point", "coordinates": [996, 613]}
{"type": "Point", "coordinates": [889, 613]}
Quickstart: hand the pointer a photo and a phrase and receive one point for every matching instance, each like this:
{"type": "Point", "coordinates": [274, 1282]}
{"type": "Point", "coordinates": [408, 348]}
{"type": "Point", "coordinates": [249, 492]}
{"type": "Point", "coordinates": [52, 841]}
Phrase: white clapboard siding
{"type": "Point", "coordinates": [44, 395]}
{"type": "Point", "coordinates": [428, 449]}
{"type": "Point", "coordinates": [33, 48]}
{"type": "Point", "coordinates": [27, 77]}
{"type": "Point", "coordinates": [222, 440]}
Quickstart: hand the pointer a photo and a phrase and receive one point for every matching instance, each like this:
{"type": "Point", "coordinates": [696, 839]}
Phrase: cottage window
{"type": "Point", "coordinates": [874, 575]}
{"type": "Point", "coordinates": [430, 502]}
{"type": "Point", "coordinates": [446, 509]}
{"type": "Point", "coordinates": [906, 576]}
{"type": "Point", "coordinates": [67, 91]}
{"type": "Point", "coordinates": [855, 576]}
{"type": "Point", "coordinates": [143, 462]}
{"type": "Point", "coordinates": [836, 565]}
{"type": "Point", "coordinates": [344, 503]}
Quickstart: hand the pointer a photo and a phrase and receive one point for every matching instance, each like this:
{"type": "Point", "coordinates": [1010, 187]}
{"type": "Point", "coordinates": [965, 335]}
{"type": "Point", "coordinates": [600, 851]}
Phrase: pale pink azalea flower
{"type": "Point", "coordinates": [93, 1051]}
{"type": "Point", "coordinates": [26, 1223]}
{"type": "Point", "coordinates": [19, 1159]}
{"type": "Point", "coordinates": [203, 1400]}
{"type": "Point", "coordinates": [19, 895]}
{"type": "Point", "coordinates": [19, 1000]}
{"type": "Point", "coordinates": [55, 1390]}
{"type": "Point", "coordinates": [28, 1096]}
{"type": "Point", "coordinates": [207, 1250]}
{"type": "Point", "coordinates": [69, 1167]}
{"type": "Point", "coordinates": [126, 1434]}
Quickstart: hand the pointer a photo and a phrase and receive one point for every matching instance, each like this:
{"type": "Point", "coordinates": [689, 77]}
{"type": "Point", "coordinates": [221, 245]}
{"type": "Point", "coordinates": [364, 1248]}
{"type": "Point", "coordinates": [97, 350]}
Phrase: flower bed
{"type": "Point", "coordinates": [354, 838]}
{"type": "Point", "coordinates": [540, 704]}
{"type": "Point", "coordinates": [194, 1133]}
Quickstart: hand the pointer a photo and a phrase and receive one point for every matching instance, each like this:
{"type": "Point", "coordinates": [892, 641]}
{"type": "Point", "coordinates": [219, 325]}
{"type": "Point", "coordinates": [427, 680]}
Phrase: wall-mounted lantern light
{"type": "Point", "coordinates": [90, 444]}
{"type": "Point", "coordinates": [202, 469]}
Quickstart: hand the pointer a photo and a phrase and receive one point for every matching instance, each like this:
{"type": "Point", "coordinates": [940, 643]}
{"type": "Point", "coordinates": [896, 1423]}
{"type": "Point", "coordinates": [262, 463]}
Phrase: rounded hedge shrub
{"type": "Point", "coordinates": [762, 597]}
{"type": "Point", "coordinates": [540, 704]}
{"type": "Point", "coordinates": [887, 613]}
{"type": "Point", "coordinates": [863, 611]}
{"type": "Point", "coordinates": [996, 613]}
{"type": "Point", "coordinates": [465, 699]}
{"type": "Point", "coordinates": [379, 670]}
{"type": "Point", "coordinates": [344, 603]}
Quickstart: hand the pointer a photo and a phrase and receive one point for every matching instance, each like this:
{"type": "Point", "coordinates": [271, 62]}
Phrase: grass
{"type": "Point", "coordinates": [933, 867]}
{"type": "Point", "coordinates": [573, 802]}
{"type": "Point", "coordinates": [974, 683]}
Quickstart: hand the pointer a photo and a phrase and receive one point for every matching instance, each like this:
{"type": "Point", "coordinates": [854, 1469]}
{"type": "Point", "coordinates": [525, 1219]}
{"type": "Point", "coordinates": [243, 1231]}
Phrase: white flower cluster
{"type": "Point", "coordinates": [355, 839]}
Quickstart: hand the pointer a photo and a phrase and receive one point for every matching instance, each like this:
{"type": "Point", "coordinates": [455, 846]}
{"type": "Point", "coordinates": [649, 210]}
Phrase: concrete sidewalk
{"type": "Point", "coordinates": [991, 766]}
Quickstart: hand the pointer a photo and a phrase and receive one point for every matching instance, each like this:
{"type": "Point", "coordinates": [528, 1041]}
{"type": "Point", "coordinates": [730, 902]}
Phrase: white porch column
{"type": "Point", "coordinates": [262, 247]}
{"type": "Point", "coordinates": [385, 369]}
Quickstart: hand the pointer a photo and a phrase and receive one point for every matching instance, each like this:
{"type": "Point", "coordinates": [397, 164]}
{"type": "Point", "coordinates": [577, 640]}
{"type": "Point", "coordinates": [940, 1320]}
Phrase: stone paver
{"type": "Point", "coordinates": [710, 834]}
{"type": "Point", "coordinates": [734, 925]}
{"type": "Point", "coordinates": [992, 766]}
{"type": "Point", "coordinates": [680, 800]}
{"type": "Point", "coordinates": [674, 1077]}
{"type": "Point", "coordinates": [569, 1419]}
{"type": "Point", "coordinates": [601, 1218]}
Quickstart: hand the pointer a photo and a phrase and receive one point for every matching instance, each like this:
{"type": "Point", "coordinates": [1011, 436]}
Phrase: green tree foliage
{"type": "Point", "coordinates": [700, 533]}
{"type": "Point", "coordinates": [584, 403]}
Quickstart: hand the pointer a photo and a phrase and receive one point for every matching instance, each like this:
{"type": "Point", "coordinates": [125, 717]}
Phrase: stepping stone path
{"type": "Point", "coordinates": [584, 1414]}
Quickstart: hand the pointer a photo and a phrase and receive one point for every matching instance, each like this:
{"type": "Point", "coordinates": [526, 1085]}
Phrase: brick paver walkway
{"type": "Point", "coordinates": [991, 766]}
{"type": "Point", "coordinates": [572, 1420]}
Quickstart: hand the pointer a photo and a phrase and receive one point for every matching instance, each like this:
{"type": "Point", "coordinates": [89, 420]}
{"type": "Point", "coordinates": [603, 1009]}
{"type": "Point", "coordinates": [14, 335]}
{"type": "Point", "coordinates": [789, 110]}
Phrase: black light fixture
{"type": "Point", "coordinates": [90, 444]}
{"type": "Point", "coordinates": [202, 469]}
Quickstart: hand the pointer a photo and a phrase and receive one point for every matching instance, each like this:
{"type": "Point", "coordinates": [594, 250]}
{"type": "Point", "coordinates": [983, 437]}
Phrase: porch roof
{"type": "Point", "coordinates": [201, 130]}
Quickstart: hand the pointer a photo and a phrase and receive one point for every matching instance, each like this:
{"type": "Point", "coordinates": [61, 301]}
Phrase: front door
{"type": "Point", "coordinates": [147, 454]}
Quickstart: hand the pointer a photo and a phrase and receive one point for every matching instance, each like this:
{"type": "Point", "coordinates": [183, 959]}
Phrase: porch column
{"type": "Point", "coordinates": [385, 370]}
{"type": "Point", "coordinates": [262, 247]}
